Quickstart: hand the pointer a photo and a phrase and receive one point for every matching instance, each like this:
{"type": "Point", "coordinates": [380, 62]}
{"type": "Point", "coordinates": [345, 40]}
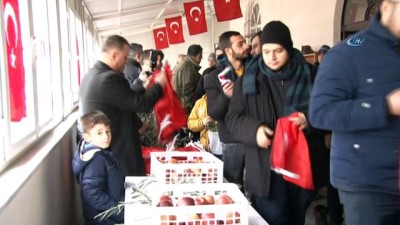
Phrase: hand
{"type": "Point", "coordinates": [393, 101]}
{"type": "Point", "coordinates": [264, 136]}
{"type": "Point", "coordinates": [161, 78]}
{"type": "Point", "coordinates": [300, 120]}
{"type": "Point", "coordinates": [228, 89]}
{"type": "Point", "coordinates": [207, 121]}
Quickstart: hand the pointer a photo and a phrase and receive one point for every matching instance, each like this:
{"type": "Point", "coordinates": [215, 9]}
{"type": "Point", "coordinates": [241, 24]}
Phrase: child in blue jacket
{"type": "Point", "coordinates": [97, 171]}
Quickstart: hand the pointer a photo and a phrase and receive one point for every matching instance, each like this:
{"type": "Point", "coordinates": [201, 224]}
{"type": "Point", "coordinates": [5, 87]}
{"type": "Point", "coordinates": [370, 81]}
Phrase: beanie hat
{"type": "Point", "coordinates": [278, 33]}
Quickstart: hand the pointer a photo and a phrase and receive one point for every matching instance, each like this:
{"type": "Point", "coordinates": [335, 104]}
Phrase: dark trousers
{"type": "Point", "coordinates": [233, 155]}
{"type": "Point", "coordinates": [370, 208]}
{"type": "Point", "coordinates": [287, 203]}
{"type": "Point", "coordinates": [335, 208]}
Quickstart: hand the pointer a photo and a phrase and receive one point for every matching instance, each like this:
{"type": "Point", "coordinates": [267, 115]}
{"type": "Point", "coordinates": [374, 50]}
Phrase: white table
{"type": "Point", "coordinates": [138, 214]}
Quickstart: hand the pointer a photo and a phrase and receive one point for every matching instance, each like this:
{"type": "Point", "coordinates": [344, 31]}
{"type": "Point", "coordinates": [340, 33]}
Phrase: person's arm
{"type": "Point", "coordinates": [243, 127]}
{"type": "Point", "coordinates": [189, 85]}
{"type": "Point", "coordinates": [119, 95]}
{"type": "Point", "coordinates": [336, 103]}
{"type": "Point", "coordinates": [195, 122]}
{"type": "Point", "coordinates": [217, 101]}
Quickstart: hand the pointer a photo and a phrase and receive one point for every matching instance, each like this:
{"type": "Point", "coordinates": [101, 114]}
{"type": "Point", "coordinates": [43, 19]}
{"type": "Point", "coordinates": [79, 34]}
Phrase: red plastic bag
{"type": "Point", "coordinates": [290, 156]}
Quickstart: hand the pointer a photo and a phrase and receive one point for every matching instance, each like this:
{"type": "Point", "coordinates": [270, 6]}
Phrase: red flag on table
{"type": "Point", "coordinates": [174, 30]}
{"type": "Point", "coordinates": [15, 63]}
{"type": "Point", "coordinates": [160, 38]}
{"type": "Point", "coordinates": [169, 111]}
{"type": "Point", "coordinates": [195, 17]}
{"type": "Point", "coordinates": [227, 9]}
{"type": "Point", "coordinates": [290, 156]}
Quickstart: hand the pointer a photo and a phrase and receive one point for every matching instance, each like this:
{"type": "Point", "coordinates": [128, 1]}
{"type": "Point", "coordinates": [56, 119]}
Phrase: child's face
{"type": "Point", "coordinates": [99, 135]}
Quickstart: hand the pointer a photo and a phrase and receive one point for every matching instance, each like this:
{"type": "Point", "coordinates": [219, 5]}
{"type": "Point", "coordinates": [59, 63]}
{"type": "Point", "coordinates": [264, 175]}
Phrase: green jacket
{"type": "Point", "coordinates": [186, 76]}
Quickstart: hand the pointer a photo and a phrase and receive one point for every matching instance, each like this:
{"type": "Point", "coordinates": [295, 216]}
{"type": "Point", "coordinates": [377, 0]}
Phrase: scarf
{"type": "Point", "coordinates": [298, 95]}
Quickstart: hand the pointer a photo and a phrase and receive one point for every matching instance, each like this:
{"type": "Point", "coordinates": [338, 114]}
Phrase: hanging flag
{"type": "Point", "coordinates": [174, 30]}
{"type": "Point", "coordinates": [160, 38]}
{"type": "Point", "coordinates": [195, 17]}
{"type": "Point", "coordinates": [290, 155]}
{"type": "Point", "coordinates": [15, 63]}
{"type": "Point", "coordinates": [227, 9]}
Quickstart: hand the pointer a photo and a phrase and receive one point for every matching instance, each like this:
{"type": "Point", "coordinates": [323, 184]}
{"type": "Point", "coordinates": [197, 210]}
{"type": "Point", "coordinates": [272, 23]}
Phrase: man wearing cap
{"type": "Point", "coordinates": [276, 83]}
{"type": "Point", "coordinates": [321, 52]}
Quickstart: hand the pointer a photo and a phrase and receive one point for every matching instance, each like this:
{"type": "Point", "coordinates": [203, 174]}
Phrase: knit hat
{"type": "Point", "coordinates": [278, 33]}
{"type": "Point", "coordinates": [324, 49]}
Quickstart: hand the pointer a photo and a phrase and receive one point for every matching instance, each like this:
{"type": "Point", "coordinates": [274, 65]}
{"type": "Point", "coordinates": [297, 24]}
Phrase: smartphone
{"type": "Point", "coordinates": [222, 76]}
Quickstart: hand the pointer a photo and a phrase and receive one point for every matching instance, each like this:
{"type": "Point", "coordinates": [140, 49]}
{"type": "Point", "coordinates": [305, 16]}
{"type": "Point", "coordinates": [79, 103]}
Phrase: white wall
{"type": "Point", "coordinates": [312, 22]}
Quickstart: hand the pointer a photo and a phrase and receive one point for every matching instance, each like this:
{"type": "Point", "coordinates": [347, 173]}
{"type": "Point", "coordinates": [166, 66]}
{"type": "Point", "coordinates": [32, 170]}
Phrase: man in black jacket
{"type": "Point", "coordinates": [105, 88]}
{"type": "Point", "coordinates": [219, 92]}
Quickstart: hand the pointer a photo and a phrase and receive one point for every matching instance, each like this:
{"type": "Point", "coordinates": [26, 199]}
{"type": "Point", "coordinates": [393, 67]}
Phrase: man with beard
{"type": "Point", "coordinates": [218, 86]}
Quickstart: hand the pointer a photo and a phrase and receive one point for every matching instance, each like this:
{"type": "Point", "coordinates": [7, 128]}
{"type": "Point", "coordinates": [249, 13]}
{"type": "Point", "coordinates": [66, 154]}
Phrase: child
{"type": "Point", "coordinates": [97, 170]}
{"type": "Point", "coordinates": [199, 121]}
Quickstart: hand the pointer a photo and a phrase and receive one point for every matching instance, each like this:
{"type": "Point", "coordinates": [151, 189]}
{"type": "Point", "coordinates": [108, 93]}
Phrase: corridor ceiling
{"type": "Point", "coordinates": [130, 17]}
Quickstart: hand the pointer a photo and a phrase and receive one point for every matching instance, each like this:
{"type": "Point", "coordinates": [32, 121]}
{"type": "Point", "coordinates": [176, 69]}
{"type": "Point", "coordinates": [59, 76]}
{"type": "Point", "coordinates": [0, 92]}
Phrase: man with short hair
{"type": "Point", "coordinates": [255, 44]}
{"type": "Point", "coordinates": [133, 67]}
{"type": "Point", "coordinates": [219, 92]}
{"type": "Point", "coordinates": [186, 77]}
{"type": "Point", "coordinates": [105, 88]}
{"type": "Point", "coordinates": [357, 96]}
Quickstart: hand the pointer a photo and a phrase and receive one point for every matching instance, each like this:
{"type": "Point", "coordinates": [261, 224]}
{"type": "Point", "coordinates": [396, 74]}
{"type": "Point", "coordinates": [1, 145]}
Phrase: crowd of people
{"type": "Point", "coordinates": [347, 106]}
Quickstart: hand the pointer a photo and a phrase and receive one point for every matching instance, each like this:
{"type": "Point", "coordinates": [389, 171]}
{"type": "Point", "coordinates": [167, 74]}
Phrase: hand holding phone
{"type": "Point", "coordinates": [222, 76]}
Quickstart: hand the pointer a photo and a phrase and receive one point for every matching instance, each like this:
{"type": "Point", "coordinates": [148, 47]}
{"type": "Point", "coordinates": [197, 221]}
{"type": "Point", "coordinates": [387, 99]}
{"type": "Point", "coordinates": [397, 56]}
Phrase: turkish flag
{"type": "Point", "coordinates": [15, 63]}
{"type": "Point", "coordinates": [290, 156]}
{"type": "Point", "coordinates": [227, 9]}
{"type": "Point", "coordinates": [160, 38]}
{"type": "Point", "coordinates": [174, 30]}
{"type": "Point", "coordinates": [195, 17]}
{"type": "Point", "coordinates": [169, 112]}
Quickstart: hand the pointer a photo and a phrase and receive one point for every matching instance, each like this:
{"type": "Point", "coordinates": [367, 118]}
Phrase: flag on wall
{"type": "Point", "coordinates": [15, 63]}
{"type": "Point", "coordinates": [174, 30]}
{"type": "Point", "coordinates": [227, 9]}
{"type": "Point", "coordinates": [195, 17]}
{"type": "Point", "coordinates": [160, 38]}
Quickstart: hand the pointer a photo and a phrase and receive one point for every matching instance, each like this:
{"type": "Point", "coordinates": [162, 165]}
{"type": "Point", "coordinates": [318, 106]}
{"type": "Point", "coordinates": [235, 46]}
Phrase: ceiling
{"type": "Point", "coordinates": [130, 17]}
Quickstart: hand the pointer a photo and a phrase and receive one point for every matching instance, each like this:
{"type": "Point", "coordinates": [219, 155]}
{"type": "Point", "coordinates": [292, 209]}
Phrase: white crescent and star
{"type": "Point", "coordinates": [172, 25]}
{"type": "Point", "coordinates": [9, 12]}
{"type": "Point", "coordinates": [160, 33]}
{"type": "Point", "coordinates": [196, 19]}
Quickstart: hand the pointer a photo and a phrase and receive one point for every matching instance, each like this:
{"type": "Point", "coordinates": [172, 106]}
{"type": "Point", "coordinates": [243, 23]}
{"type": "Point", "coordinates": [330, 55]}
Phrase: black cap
{"type": "Point", "coordinates": [278, 33]}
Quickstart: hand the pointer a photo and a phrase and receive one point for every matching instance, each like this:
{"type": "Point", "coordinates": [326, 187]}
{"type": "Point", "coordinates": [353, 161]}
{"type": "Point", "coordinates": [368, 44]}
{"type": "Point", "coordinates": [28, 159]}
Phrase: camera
{"type": "Point", "coordinates": [153, 59]}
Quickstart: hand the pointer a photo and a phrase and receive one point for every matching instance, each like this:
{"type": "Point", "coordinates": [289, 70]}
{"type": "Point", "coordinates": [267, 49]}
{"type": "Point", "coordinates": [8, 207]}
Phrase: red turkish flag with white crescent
{"type": "Point", "coordinates": [174, 29]}
{"type": "Point", "coordinates": [160, 38]}
{"type": "Point", "coordinates": [15, 63]}
{"type": "Point", "coordinates": [195, 17]}
{"type": "Point", "coordinates": [227, 9]}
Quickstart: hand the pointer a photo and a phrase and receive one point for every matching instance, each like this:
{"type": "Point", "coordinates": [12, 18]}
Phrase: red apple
{"type": "Point", "coordinates": [232, 218]}
{"type": "Point", "coordinates": [200, 201]}
{"type": "Point", "coordinates": [185, 201]}
{"type": "Point", "coordinates": [208, 219]}
{"type": "Point", "coordinates": [224, 199]}
{"type": "Point", "coordinates": [210, 199]}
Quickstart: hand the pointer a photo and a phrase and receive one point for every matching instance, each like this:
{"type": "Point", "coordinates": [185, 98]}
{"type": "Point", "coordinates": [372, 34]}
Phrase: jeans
{"type": "Point", "coordinates": [370, 208]}
{"type": "Point", "coordinates": [287, 203]}
{"type": "Point", "coordinates": [233, 155]}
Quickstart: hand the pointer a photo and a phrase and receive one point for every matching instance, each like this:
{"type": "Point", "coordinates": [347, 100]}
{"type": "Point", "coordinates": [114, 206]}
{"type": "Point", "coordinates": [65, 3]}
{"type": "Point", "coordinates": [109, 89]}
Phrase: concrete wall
{"type": "Point", "coordinates": [50, 195]}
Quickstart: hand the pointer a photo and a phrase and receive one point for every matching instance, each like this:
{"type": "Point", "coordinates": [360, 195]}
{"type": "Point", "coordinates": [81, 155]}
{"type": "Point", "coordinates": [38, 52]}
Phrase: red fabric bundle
{"type": "Point", "coordinates": [169, 112]}
{"type": "Point", "coordinates": [290, 156]}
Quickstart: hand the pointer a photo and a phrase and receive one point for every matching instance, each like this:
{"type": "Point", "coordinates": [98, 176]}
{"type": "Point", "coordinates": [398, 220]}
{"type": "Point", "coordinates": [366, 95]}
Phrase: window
{"type": "Point", "coordinates": [52, 64]}
{"type": "Point", "coordinates": [356, 15]}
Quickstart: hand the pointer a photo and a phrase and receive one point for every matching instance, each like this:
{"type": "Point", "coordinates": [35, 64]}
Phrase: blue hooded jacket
{"type": "Point", "coordinates": [101, 181]}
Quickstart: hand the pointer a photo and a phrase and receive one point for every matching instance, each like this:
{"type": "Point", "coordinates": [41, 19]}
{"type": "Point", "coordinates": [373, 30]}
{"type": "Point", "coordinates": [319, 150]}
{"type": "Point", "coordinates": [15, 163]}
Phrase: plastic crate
{"type": "Point", "coordinates": [235, 212]}
{"type": "Point", "coordinates": [175, 167]}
